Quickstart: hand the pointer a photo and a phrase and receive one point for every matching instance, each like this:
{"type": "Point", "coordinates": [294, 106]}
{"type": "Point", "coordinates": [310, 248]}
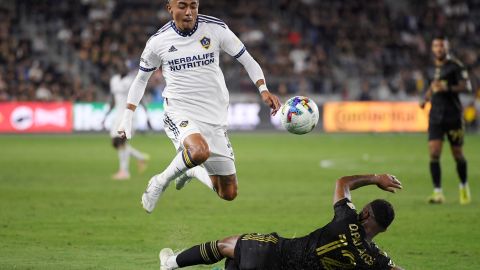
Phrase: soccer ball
{"type": "Point", "coordinates": [299, 115]}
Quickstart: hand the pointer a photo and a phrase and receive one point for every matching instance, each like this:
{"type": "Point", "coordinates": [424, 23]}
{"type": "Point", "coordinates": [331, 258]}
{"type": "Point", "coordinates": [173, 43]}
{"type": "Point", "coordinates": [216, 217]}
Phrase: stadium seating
{"type": "Point", "coordinates": [352, 49]}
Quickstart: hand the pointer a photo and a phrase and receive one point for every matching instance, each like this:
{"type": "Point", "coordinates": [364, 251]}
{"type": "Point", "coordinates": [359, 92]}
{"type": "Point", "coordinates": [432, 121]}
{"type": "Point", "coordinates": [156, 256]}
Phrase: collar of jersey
{"type": "Point", "coordinates": [184, 34]}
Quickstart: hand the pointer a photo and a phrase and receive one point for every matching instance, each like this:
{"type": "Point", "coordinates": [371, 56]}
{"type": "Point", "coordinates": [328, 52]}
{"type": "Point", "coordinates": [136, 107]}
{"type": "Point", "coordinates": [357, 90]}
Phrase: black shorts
{"type": "Point", "coordinates": [256, 252]}
{"type": "Point", "coordinates": [455, 132]}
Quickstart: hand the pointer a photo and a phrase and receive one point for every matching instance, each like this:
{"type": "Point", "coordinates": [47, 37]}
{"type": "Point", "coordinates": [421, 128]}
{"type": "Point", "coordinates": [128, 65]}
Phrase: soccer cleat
{"type": "Point", "coordinates": [436, 198]}
{"type": "Point", "coordinates": [465, 197]}
{"type": "Point", "coordinates": [142, 164]}
{"type": "Point", "coordinates": [121, 175]}
{"type": "Point", "coordinates": [164, 255]}
{"type": "Point", "coordinates": [182, 180]}
{"type": "Point", "coordinates": [154, 190]}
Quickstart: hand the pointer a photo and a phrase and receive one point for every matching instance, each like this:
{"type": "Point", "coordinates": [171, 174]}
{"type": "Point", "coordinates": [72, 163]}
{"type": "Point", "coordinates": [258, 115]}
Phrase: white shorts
{"type": "Point", "coordinates": [221, 160]}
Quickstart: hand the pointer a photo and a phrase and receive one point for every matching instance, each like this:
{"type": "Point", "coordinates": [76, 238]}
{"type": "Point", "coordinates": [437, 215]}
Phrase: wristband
{"type": "Point", "coordinates": [262, 88]}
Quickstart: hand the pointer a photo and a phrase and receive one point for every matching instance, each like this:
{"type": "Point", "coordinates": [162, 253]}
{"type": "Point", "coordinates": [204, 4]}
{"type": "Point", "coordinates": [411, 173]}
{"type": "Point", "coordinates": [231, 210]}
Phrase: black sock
{"type": "Point", "coordinates": [462, 170]}
{"type": "Point", "coordinates": [436, 173]}
{"type": "Point", "coordinates": [206, 253]}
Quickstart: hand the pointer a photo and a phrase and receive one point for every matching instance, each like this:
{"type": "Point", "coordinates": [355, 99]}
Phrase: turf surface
{"type": "Point", "coordinates": [59, 209]}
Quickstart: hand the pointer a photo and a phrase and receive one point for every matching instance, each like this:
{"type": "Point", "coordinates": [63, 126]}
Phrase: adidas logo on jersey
{"type": "Point", "coordinates": [172, 49]}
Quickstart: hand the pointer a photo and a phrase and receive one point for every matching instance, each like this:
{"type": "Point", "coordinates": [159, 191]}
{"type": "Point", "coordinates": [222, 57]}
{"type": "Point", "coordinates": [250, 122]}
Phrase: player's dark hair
{"type": "Point", "coordinates": [167, 1]}
{"type": "Point", "coordinates": [383, 212]}
{"type": "Point", "coordinates": [440, 37]}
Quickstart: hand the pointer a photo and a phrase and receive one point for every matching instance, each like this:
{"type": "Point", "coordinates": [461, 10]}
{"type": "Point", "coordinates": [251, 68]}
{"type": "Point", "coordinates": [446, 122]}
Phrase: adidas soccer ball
{"type": "Point", "coordinates": [299, 115]}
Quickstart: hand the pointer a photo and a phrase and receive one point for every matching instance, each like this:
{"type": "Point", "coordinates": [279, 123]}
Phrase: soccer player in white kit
{"type": "Point", "coordinates": [196, 98]}
{"type": "Point", "coordinates": [119, 86]}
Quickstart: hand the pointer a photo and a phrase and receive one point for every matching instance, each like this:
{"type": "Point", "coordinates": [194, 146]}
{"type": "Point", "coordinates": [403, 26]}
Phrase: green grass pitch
{"type": "Point", "coordinates": [59, 209]}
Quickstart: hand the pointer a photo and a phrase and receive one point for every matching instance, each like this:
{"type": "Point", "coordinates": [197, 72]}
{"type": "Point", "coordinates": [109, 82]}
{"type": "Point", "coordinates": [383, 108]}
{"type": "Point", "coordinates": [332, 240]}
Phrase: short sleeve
{"type": "Point", "coordinates": [231, 44]}
{"type": "Point", "coordinates": [149, 61]}
{"type": "Point", "coordinates": [344, 209]}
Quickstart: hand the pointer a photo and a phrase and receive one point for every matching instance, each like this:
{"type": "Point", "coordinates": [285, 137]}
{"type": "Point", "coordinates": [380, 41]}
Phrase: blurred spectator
{"type": "Point", "coordinates": [470, 116]}
{"type": "Point", "coordinates": [365, 92]}
{"type": "Point", "coordinates": [308, 46]}
{"type": "Point", "coordinates": [43, 93]}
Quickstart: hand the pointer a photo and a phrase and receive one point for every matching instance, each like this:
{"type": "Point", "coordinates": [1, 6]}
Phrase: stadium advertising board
{"type": "Point", "coordinates": [95, 116]}
{"type": "Point", "coordinates": [35, 117]}
{"type": "Point", "coordinates": [374, 117]}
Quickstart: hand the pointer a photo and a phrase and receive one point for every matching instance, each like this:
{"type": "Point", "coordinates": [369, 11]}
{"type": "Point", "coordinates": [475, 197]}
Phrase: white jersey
{"type": "Point", "coordinates": [119, 87]}
{"type": "Point", "coordinates": [190, 65]}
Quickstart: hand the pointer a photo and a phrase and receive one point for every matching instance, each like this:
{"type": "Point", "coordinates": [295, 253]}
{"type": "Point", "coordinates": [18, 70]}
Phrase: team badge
{"type": "Point", "coordinates": [184, 124]}
{"type": "Point", "coordinates": [205, 43]}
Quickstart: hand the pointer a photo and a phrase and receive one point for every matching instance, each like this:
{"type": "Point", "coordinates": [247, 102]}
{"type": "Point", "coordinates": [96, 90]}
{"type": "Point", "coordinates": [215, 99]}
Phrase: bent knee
{"type": "Point", "coordinates": [229, 193]}
{"type": "Point", "coordinates": [199, 153]}
{"type": "Point", "coordinates": [228, 196]}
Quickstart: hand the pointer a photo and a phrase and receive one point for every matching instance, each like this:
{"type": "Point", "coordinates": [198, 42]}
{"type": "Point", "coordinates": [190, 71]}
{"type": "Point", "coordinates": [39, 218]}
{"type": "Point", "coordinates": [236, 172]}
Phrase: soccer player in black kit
{"type": "Point", "coordinates": [446, 80]}
{"type": "Point", "coordinates": [344, 243]}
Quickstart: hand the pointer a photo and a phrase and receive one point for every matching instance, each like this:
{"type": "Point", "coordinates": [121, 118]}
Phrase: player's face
{"type": "Point", "coordinates": [184, 13]}
{"type": "Point", "coordinates": [367, 219]}
{"type": "Point", "coordinates": [440, 48]}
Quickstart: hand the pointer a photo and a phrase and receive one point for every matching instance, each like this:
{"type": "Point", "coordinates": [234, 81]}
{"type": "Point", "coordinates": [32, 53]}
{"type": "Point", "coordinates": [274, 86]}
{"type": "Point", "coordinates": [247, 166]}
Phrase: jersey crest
{"type": "Point", "coordinates": [205, 41]}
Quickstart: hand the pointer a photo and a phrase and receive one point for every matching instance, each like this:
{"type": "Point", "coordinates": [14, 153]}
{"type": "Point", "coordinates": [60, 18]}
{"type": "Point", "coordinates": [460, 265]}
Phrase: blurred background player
{"type": "Point", "coordinates": [344, 243]}
{"type": "Point", "coordinates": [447, 79]}
{"type": "Point", "coordinates": [196, 98]}
{"type": "Point", "coordinates": [119, 85]}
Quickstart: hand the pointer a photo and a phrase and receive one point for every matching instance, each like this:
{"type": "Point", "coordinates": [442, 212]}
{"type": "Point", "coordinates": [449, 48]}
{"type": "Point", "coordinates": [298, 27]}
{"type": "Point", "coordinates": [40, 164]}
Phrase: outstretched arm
{"type": "Point", "coordinates": [135, 94]}
{"type": "Point", "coordinates": [343, 186]}
{"type": "Point", "coordinates": [149, 61]}
{"type": "Point", "coordinates": [256, 75]}
{"type": "Point", "coordinates": [233, 46]}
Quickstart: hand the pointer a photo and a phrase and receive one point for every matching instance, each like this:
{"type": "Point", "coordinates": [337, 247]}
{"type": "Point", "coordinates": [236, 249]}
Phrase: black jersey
{"type": "Point", "coordinates": [340, 244]}
{"type": "Point", "coordinates": [446, 106]}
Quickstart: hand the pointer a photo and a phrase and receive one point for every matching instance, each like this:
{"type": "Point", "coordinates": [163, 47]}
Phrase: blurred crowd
{"type": "Point", "coordinates": [26, 73]}
{"type": "Point", "coordinates": [357, 50]}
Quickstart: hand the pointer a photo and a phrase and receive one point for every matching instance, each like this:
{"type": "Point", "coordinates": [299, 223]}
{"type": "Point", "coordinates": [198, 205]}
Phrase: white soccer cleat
{"type": "Point", "coordinates": [182, 180]}
{"type": "Point", "coordinates": [164, 255]}
{"type": "Point", "coordinates": [153, 192]}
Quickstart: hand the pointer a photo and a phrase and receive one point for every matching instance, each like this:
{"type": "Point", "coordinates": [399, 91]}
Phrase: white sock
{"type": "Point", "coordinates": [437, 190]}
{"type": "Point", "coordinates": [462, 185]}
{"type": "Point", "coordinates": [201, 174]}
{"type": "Point", "coordinates": [180, 164]}
{"type": "Point", "coordinates": [134, 152]}
{"type": "Point", "coordinates": [172, 262]}
{"type": "Point", "coordinates": [124, 159]}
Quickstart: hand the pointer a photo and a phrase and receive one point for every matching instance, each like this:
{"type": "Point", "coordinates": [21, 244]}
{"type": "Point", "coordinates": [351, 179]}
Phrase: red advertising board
{"type": "Point", "coordinates": [35, 117]}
